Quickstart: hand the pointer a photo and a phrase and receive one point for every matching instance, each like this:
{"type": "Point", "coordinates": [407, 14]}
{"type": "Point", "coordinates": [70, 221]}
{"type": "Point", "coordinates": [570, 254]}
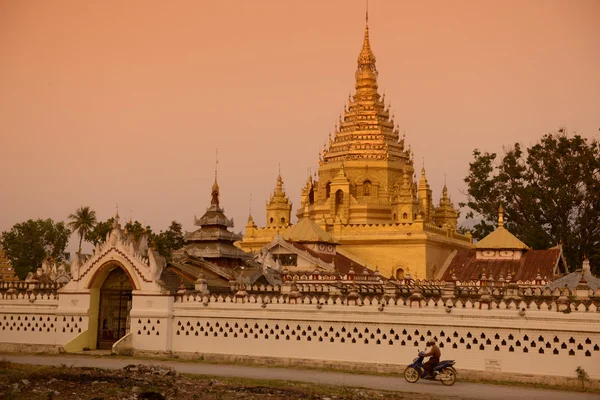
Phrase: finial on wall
{"type": "Point", "coordinates": [500, 216]}
{"type": "Point", "coordinates": [216, 162]}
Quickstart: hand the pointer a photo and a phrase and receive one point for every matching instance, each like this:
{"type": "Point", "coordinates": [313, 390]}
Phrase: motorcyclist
{"type": "Point", "coordinates": [434, 357]}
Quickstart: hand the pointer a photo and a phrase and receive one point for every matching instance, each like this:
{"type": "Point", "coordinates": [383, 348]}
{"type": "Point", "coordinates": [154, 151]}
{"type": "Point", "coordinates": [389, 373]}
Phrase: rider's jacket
{"type": "Point", "coordinates": [434, 352]}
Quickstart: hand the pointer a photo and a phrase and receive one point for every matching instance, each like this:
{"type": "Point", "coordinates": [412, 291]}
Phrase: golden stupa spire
{"type": "Point", "coordinates": [500, 216]}
{"type": "Point", "coordinates": [366, 59]}
{"type": "Point", "coordinates": [215, 187]}
{"type": "Point", "coordinates": [250, 219]}
{"type": "Point", "coordinates": [365, 130]}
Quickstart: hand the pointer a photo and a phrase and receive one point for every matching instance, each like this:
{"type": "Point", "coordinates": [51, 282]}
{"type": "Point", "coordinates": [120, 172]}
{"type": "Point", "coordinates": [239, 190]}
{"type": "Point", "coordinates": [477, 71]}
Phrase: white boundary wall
{"type": "Point", "coordinates": [539, 340]}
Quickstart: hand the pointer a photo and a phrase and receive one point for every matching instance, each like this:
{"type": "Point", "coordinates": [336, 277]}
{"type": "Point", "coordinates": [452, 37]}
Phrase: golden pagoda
{"type": "Point", "coordinates": [279, 208]}
{"type": "Point", "coordinates": [365, 195]}
{"type": "Point", "coordinates": [7, 273]}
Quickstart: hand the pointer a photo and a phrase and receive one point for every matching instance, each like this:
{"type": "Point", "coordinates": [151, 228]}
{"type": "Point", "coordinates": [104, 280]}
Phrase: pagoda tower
{"type": "Point", "coordinates": [365, 161]}
{"type": "Point", "coordinates": [213, 241]}
{"type": "Point", "coordinates": [279, 207]}
{"type": "Point", "coordinates": [364, 193]}
{"type": "Point", "coordinates": [445, 214]}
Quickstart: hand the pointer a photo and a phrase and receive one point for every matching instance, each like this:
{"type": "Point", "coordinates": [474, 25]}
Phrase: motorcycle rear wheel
{"type": "Point", "coordinates": [411, 375]}
{"type": "Point", "coordinates": [450, 375]}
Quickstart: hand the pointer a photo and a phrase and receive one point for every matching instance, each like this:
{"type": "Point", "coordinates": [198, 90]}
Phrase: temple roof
{"type": "Point", "coordinates": [212, 234]}
{"type": "Point", "coordinates": [466, 267]}
{"type": "Point", "coordinates": [501, 238]}
{"type": "Point", "coordinates": [306, 231]}
{"type": "Point", "coordinates": [211, 250]}
{"type": "Point", "coordinates": [572, 280]}
{"type": "Point", "coordinates": [342, 263]}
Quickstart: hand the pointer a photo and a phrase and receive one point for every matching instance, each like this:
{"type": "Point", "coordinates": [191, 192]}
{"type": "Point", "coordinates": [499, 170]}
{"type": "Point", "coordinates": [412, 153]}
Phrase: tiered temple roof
{"type": "Point", "coordinates": [214, 241]}
{"type": "Point", "coordinates": [366, 130]}
{"type": "Point", "coordinates": [7, 273]}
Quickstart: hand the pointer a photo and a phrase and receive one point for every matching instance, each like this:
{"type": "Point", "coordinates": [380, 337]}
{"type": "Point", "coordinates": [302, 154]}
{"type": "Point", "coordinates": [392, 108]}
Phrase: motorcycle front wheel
{"type": "Point", "coordinates": [448, 376]}
{"type": "Point", "coordinates": [411, 375]}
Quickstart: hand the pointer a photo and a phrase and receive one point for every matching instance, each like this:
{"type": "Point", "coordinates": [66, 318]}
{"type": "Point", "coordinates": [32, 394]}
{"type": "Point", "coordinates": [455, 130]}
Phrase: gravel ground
{"type": "Point", "coordinates": [157, 382]}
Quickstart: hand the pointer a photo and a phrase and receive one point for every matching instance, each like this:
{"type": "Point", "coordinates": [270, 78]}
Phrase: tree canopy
{"type": "Point", "coordinates": [171, 239]}
{"type": "Point", "coordinates": [550, 193]}
{"type": "Point", "coordinates": [98, 233]}
{"type": "Point", "coordinates": [164, 242]}
{"type": "Point", "coordinates": [29, 243]}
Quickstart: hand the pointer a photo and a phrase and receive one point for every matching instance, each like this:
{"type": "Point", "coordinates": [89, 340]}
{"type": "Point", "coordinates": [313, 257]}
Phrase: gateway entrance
{"type": "Point", "coordinates": [115, 304]}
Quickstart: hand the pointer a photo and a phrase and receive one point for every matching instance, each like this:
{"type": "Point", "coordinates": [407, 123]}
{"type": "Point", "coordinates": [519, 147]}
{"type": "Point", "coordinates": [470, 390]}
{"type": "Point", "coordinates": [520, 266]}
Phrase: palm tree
{"type": "Point", "coordinates": [82, 221]}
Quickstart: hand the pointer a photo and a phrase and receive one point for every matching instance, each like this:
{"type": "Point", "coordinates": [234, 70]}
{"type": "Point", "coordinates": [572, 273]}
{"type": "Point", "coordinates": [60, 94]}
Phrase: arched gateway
{"type": "Point", "coordinates": [114, 308]}
{"type": "Point", "coordinates": [122, 279]}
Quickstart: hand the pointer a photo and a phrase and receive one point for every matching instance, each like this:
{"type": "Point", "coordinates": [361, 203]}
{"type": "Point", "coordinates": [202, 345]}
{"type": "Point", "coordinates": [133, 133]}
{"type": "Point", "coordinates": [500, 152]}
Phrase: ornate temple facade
{"type": "Point", "coordinates": [365, 195]}
{"type": "Point", "coordinates": [209, 253]}
{"type": "Point", "coordinates": [7, 273]}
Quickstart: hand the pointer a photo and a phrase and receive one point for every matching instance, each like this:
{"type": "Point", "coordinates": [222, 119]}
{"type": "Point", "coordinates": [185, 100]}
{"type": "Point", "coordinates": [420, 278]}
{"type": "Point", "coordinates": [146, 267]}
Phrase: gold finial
{"type": "Point", "coordinates": [215, 187]}
{"type": "Point", "coordinates": [367, 13]}
{"type": "Point", "coordinates": [117, 214]}
{"type": "Point", "coordinates": [500, 216]}
{"type": "Point", "coordinates": [216, 162]}
{"type": "Point", "coordinates": [250, 207]}
{"type": "Point", "coordinates": [366, 57]}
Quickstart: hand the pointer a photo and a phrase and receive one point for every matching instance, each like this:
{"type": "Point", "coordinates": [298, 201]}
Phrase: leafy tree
{"type": "Point", "coordinates": [550, 194]}
{"type": "Point", "coordinates": [29, 243]}
{"type": "Point", "coordinates": [164, 242]}
{"type": "Point", "coordinates": [171, 239]}
{"type": "Point", "coordinates": [98, 233]}
{"type": "Point", "coordinates": [82, 222]}
{"type": "Point", "coordinates": [137, 229]}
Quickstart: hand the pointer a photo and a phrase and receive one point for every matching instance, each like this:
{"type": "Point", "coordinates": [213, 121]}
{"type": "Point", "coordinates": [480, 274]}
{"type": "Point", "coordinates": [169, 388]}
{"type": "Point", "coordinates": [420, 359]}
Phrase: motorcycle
{"type": "Point", "coordinates": [442, 371]}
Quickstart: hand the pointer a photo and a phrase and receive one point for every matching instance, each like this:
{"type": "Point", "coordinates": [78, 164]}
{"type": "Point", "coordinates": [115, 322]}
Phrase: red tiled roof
{"type": "Point", "coordinates": [466, 267]}
{"type": "Point", "coordinates": [341, 262]}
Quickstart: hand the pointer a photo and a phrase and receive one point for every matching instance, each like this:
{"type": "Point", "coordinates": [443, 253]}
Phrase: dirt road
{"type": "Point", "coordinates": [460, 389]}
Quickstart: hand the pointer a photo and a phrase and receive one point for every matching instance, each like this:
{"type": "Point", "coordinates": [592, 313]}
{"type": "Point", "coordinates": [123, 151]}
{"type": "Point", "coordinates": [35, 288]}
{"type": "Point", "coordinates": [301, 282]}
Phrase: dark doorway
{"type": "Point", "coordinates": [115, 304]}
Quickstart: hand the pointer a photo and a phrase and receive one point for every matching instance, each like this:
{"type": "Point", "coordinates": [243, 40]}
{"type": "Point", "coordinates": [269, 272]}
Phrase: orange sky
{"type": "Point", "coordinates": [125, 101]}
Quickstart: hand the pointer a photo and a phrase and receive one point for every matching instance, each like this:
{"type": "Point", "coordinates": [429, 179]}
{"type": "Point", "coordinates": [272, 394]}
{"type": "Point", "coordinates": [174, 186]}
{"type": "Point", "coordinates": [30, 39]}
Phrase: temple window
{"type": "Point", "coordinates": [405, 216]}
{"type": "Point", "coordinates": [328, 190]}
{"type": "Point", "coordinates": [283, 220]}
{"type": "Point", "coordinates": [367, 188]}
{"type": "Point", "coordinates": [399, 273]}
{"type": "Point", "coordinates": [271, 220]}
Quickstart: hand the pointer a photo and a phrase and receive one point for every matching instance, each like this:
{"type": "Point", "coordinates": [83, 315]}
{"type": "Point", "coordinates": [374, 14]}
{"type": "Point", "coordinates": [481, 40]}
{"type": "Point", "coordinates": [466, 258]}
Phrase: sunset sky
{"type": "Point", "coordinates": [105, 102]}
